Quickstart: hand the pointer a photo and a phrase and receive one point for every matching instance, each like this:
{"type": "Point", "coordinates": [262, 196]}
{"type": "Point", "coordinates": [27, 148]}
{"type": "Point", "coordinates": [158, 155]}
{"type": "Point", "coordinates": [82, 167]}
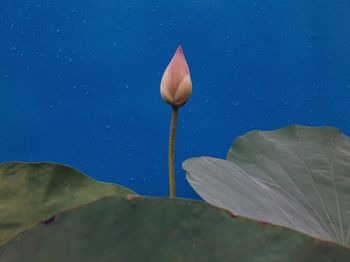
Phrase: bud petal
{"type": "Point", "coordinates": [184, 91]}
{"type": "Point", "coordinates": [165, 92]}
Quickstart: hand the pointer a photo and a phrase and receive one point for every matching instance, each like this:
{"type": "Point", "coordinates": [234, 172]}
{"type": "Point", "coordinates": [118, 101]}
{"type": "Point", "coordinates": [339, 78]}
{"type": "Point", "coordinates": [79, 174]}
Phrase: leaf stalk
{"type": "Point", "coordinates": [171, 151]}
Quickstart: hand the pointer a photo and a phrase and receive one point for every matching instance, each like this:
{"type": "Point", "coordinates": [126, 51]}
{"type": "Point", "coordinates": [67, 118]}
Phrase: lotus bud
{"type": "Point", "coordinates": [176, 85]}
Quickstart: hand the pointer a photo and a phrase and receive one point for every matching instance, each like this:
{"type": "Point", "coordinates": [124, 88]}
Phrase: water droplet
{"type": "Point", "coordinates": [108, 126]}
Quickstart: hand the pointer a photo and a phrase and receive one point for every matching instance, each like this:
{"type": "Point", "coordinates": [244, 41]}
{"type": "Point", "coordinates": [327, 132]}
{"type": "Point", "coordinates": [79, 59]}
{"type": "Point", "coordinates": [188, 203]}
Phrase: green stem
{"type": "Point", "coordinates": [171, 152]}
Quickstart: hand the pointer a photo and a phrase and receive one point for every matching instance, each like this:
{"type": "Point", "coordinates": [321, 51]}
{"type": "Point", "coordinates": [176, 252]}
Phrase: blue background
{"type": "Point", "coordinates": [79, 80]}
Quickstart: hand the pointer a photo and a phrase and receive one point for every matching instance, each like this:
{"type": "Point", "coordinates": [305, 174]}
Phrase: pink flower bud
{"type": "Point", "coordinates": [176, 85]}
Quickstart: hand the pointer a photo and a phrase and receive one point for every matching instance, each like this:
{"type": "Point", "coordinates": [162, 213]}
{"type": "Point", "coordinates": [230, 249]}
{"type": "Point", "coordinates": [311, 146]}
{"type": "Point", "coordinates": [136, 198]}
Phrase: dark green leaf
{"type": "Point", "coordinates": [33, 192]}
{"type": "Point", "coordinates": [154, 229]}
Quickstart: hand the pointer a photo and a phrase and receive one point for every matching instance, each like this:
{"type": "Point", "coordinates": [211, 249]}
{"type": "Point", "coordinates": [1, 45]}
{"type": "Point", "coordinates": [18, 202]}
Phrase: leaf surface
{"type": "Point", "coordinates": [155, 229]}
{"type": "Point", "coordinates": [33, 192]}
{"type": "Point", "coordinates": [298, 177]}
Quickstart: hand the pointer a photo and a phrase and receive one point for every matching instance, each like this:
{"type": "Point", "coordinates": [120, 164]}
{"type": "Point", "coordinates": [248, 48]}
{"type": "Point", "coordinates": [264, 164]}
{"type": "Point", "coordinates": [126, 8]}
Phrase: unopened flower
{"type": "Point", "coordinates": [176, 85]}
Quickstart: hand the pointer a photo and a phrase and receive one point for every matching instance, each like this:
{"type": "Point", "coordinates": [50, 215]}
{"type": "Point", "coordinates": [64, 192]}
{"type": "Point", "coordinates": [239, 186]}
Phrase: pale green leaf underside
{"type": "Point", "coordinates": [298, 177]}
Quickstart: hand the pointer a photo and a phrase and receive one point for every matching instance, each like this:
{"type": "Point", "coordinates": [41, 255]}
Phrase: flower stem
{"type": "Point", "coordinates": [171, 151]}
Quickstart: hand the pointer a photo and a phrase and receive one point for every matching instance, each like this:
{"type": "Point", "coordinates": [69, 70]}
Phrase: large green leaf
{"type": "Point", "coordinates": [31, 192]}
{"type": "Point", "coordinates": [298, 177]}
{"type": "Point", "coordinates": [146, 229]}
